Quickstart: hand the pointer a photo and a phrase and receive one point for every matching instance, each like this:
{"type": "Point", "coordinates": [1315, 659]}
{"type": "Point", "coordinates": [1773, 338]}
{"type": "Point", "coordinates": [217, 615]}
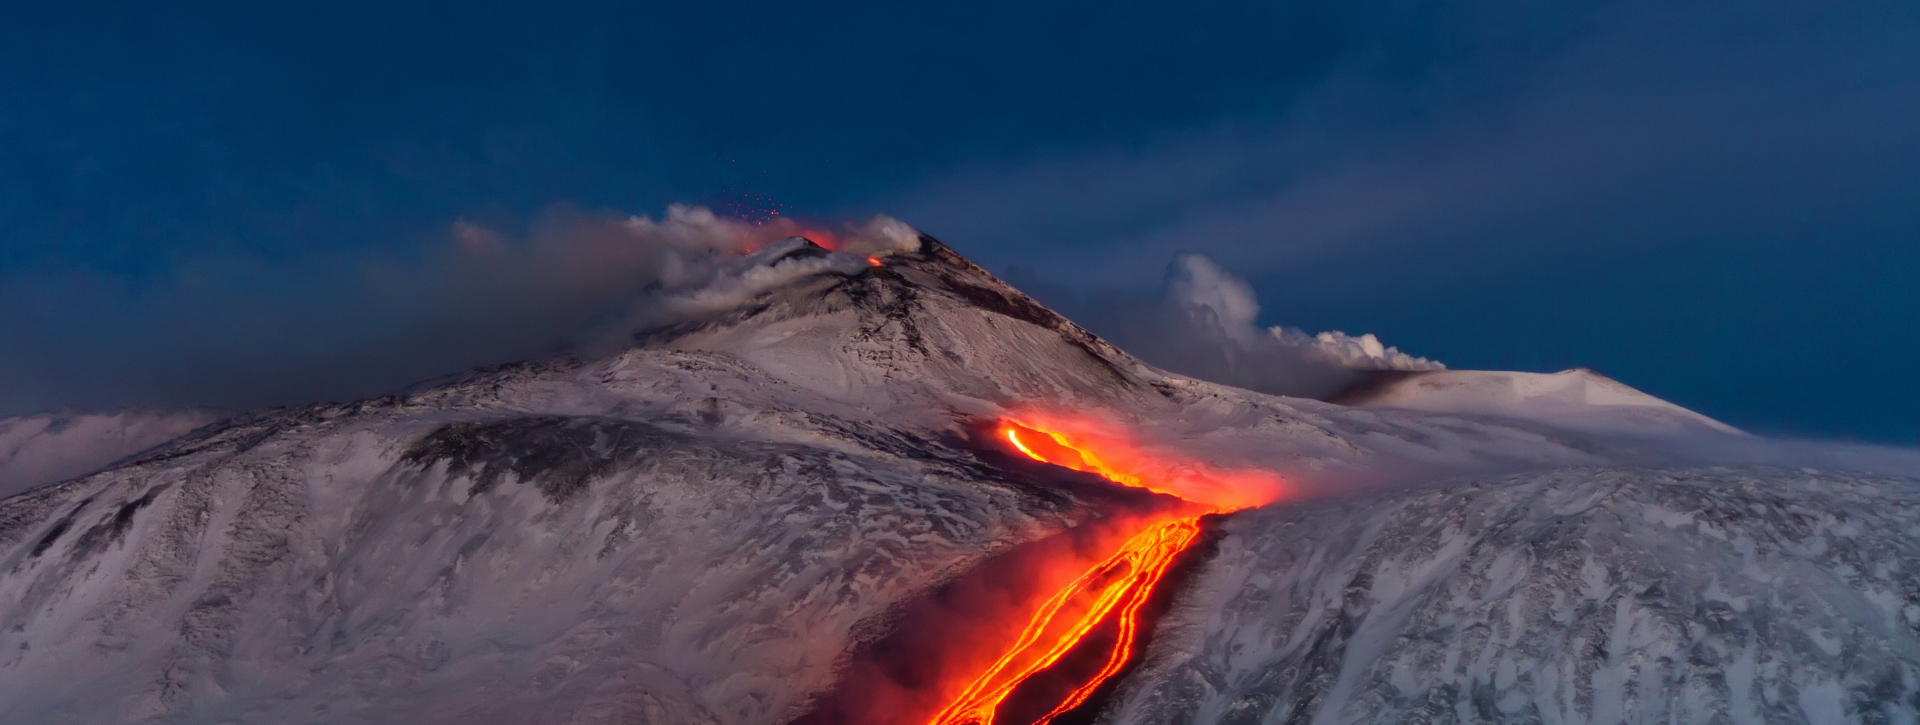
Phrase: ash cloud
{"type": "Point", "coordinates": [240, 333]}
{"type": "Point", "coordinates": [1205, 325]}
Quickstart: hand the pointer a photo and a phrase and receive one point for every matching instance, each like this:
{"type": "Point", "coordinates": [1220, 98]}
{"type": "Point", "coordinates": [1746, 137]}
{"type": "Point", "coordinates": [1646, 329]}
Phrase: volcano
{"type": "Point", "coordinates": [756, 508]}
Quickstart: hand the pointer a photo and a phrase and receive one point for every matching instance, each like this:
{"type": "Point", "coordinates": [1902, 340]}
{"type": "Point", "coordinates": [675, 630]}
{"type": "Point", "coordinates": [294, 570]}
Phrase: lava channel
{"type": "Point", "coordinates": [1111, 592]}
{"type": "Point", "coordinates": [1119, 586]}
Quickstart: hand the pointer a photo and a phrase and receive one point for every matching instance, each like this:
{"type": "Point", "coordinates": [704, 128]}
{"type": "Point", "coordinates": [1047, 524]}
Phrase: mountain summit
{"type": "Point", "coordinates": [705, 521]}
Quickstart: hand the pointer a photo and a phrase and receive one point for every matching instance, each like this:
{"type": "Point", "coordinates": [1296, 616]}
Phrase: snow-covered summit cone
{"type": "Point", "coordinates": [1578, 399]}
{"type": "Point", "coordinates": [907, 325]}
{"type": "Point", "coordinates": [920, 337]}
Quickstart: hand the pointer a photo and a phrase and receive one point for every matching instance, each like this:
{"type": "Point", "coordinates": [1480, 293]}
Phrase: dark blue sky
{"type": "Point", "coordinates": [1718, 203]}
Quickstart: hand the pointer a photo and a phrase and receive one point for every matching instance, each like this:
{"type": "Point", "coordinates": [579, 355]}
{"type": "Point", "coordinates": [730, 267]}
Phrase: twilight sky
{"type": "Point", "coordinates": [247, 204]}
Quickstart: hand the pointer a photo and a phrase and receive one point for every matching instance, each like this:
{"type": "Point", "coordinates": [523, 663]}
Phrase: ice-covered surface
{"type": "Point", "coordinates": [689, 528]}
{"type": "Point", "coordinates": [1722, 595]}
{"type": "Point", "coordinates": [1576, 399]}
{"type": "Point", "coordinates": [40, 449]}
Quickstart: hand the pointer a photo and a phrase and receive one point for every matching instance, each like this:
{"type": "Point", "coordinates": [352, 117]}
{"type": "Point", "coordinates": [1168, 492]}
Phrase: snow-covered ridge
{"type": "Point", "coordinates": [1577, 399]}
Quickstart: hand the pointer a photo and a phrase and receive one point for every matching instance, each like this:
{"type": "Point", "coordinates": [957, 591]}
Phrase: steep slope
{"type": "Point", "coordinates": [1736, 595]}
{"type": "Point", "coordinates": [354, 565]}
{"type": "Point", "coordinates": [929, 326]}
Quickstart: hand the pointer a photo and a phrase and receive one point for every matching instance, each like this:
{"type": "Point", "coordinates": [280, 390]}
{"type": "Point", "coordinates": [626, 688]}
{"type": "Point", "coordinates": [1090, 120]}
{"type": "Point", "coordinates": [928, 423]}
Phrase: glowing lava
{"type": "Point", "coordinates": [1057, 450]}
{"type": "Point", "coordinates": [1085, 443]}
{"type": "Point", "coordinates": [1115, 589]}
{"type": "Point", "coordinates": [1123, 581]}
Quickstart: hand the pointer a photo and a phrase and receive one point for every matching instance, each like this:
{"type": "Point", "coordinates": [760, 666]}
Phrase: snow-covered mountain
{"type": "Point", "coordinates": [700, 525]}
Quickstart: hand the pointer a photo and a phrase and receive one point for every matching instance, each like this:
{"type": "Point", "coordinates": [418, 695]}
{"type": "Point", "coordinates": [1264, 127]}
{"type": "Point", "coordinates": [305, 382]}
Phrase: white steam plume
{"type": "Point", "coordinates": [1205, 326]}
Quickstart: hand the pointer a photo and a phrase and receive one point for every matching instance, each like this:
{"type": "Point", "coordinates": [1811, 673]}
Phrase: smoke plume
{"type": "Point", "coordinates": [1205, 325]}
{"type": "Point", "coordinates": [246, 333]}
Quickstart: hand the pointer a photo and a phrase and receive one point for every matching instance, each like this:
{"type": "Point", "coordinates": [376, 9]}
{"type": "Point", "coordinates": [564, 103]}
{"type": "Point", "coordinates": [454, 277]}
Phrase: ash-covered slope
{"type": "Point", "coordinates": [1726, 595]}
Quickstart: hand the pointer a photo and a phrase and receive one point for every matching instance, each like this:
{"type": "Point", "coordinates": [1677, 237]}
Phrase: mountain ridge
{"type": "Point", "coordinates": [697, 527]}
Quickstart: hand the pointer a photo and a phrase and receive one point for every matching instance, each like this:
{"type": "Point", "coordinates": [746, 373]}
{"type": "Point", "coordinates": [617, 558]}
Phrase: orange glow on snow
{"type": "Point", "coordinates": [1119, 586]}
{"type": "Point", "coordinates": [1140, 565]}
{"type": "Point", "coordinates": [1093, 447]}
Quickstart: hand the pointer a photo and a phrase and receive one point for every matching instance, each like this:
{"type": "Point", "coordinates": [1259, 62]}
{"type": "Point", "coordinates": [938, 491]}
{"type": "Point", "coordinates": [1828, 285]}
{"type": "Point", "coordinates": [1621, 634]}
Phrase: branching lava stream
{"type": "Point", "coordinates": [1115, 589]}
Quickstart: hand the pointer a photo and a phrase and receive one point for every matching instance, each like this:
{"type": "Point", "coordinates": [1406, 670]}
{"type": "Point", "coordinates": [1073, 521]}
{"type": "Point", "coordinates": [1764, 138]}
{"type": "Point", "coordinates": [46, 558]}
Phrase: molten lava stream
{"type": "Point", "coordinates": [1118, 587]}
{"type": "Point", "coordinates": [1124, 581]}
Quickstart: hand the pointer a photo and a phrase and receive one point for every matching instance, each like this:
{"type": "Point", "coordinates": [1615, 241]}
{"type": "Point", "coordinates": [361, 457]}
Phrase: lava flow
{"type": "Point", "coordinates": [1085, 443]}
{"type": "Point", "coordinates": [1115, 589]}
{"type": "Point", "coordinates": [1123, 581]}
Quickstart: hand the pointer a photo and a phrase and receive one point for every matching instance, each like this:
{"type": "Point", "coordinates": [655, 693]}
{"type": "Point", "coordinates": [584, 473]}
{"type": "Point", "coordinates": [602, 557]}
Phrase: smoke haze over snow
{"type": "Point", "coordinates": [1205, 326]}
{"type": "Point", "coordinates": [242, 333]}
{"type": "Point", "coordinates": [42, 449]}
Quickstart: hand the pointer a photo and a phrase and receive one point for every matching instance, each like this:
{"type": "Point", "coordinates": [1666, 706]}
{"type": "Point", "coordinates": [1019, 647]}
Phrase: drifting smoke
{"type": "Point", "coordinates": [707, 264]}
{"type": "Point", "coordinates": [691, 260]}
{"type": "Point", "coordinates": [1205, 326]}
{"type": "Point", "coordinates": [41, 449]}
{"type": "Point", "coordinates": [243, 334]}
